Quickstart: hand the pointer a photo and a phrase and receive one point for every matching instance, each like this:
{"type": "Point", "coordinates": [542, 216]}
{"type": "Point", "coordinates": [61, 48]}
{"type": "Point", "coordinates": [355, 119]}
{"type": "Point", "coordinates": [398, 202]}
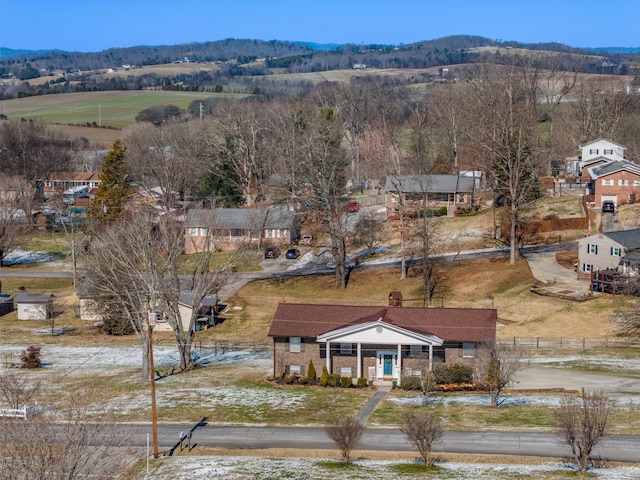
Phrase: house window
{"type": "Point", "coordinates": [468, 350]}
{"type": "Point", "coordinates": [346, 372]}
{"type": "Point", "coordinates": [586, 267]}
{"type": "Point", "coordinates": [295, 369]}
{"type": "Point", "coordinates": [282, 233]}
{"type": "Point", "coordinates": [636, 183]}
{"type": "Point", "coordinates": [592, 248]}
{"type": "Point", "coordinates": [415, 350]}
{"type": "Point", "coordinates": [623, 183]}
{"type": "Point", "coordinates": [237, 232]}
{"type": "Point", "coordinates": [193, 231]}
{"type": "Point", "coordinates": [295, 345]}
{"type": "Point", "coordinates": [346, 349]}
{"type": "Point", "coordinates": [271, 233]}
{"type": "Point", "coordinates": [607, 183]}
{"type": "Point", "coordinates": [608, 152]}
{"type": "Point", "coordinates": [593, 151]}
{"type": "Point", "coordinates": [203, 232]}
{"type": "Point", "coordinates": [616, 251]}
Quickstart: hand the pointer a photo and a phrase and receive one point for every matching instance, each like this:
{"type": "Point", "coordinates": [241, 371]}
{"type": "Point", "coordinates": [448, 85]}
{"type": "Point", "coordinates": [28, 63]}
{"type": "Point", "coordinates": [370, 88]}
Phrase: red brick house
{"type": "Point", "coordinates": [618, 182]}
{"type": "Point", "coordinates": [379, 343]}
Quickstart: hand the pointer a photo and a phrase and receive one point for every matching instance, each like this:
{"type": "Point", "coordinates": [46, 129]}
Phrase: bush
{"type": "Point", "coordinates": [456, 373]}
{"type": "Point", "coordinates": [334, 380]}
{"type": "Point", "coordinates": [362, 382]}
{"type": "Point", "coordinates": [31, 358]}
{"type": "Point", "coordinates": [324, 378]}
{"type": "Point", "coordinates": [410, 383]}
{"type": "Point", "coordinates": [289, 379]}
{"type": "Point", "coordinates": [311, 372]}
{"type": "Point", "coordinates": [346, 382]}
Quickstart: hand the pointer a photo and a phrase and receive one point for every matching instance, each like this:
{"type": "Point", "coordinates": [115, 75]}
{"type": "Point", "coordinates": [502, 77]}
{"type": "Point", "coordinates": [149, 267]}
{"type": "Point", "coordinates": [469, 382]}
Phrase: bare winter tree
{"type": "Point", "coordinates": [583, 421]}
{"type": "Point", "coordinates": [16, 202]}
{"type": "Point", "coordinates": [60, 442]}
{"type": "Point", "coordinates": [423, 429]}
{"type": "Point", "coordinates": [368, 232]}
{"type": "Point", "coordinates": [346, 433]}
{"type": "Point", "coordinates": [498, 366]}
{"type": "Point", "coordinates": [16, 391]}
{"type": "Point", "coordinates": [507, 130]}
{"type": "Point", "coordinates": [238, 137]}
{"type": "Point", "coordinates": [136, 264]}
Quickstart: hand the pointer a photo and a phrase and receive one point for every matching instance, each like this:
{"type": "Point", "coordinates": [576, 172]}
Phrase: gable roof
{"type": "Point", "coordinates": [450, 324]}
{"type": "Point", "coordinates": [430, 183]}
{"type": "Point", "coordinates": [241, 218]}
{"type": "Point", "coordinates": [613, 167]}
{"type": "Point", "coordinates": [602, 140]}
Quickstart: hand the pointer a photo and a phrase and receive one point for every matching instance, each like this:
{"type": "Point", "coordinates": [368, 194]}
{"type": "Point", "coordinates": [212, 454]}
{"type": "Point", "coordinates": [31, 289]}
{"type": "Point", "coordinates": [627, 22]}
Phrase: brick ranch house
{"type": "Point", "coordinates": [379, 343]}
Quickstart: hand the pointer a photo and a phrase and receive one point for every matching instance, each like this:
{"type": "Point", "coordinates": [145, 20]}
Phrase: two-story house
{"type": "Point", "coordinates": [618, 182]}
{"type": "Point", "coordinates": [605, 251]}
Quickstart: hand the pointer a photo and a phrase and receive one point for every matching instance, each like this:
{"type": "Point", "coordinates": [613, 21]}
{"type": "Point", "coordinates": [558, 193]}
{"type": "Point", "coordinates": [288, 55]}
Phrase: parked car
{"type": "Point", "coordinates": [608, 207]}
{"type": "Point", "coordinates": [353, 207]}
{"type": "Point", "coordinates": [272, 252]}
{"type": "Point", "coordinates": [292, 253]}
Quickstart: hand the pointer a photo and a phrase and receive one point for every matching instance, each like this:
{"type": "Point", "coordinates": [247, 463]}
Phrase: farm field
{"type": "Point", "coordinates": [114, 109]}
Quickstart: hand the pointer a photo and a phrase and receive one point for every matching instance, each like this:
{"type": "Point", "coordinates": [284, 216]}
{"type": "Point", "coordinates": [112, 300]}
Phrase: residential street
{"type": "Point", "coordinates": [624, 448]}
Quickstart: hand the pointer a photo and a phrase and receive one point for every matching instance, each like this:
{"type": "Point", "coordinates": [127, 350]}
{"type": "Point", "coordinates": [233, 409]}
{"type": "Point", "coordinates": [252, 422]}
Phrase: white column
{"type": "Point", "coordinates": [430, 357]}
{"type": "Point", "coordinates": [359, 356]}
{"type": "Point", "coordinates": [399, 363]}
{"type": "Point", "coordinates": [328, 359]}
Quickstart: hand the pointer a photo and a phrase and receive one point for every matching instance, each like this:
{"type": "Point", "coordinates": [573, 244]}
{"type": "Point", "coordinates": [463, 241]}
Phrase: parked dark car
{"type": "Point", "coordinates": [272, 252]}
{"type": "Point", "coordinates": [292, 253]}
{"type": "Point", "coordinates": [608, 207]}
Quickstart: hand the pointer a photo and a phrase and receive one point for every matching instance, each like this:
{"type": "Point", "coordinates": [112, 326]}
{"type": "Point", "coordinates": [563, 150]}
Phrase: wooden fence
{"type": "Point", "coordinates": [582, 343]}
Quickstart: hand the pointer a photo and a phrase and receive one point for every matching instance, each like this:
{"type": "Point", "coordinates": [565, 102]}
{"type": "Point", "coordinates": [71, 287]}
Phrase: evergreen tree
{"type": "Point", "coordinates": [110, 199]}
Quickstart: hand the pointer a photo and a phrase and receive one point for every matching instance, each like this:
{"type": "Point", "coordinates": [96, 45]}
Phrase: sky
{"type": "Point", "coordinates": [88, 26]}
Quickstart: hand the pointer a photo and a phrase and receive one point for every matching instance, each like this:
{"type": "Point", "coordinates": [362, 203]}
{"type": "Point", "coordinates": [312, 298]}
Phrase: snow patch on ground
{"type": "Point", "coordinates": [24, 257]}
{"type": "Point", "coordinates": [204, 468]}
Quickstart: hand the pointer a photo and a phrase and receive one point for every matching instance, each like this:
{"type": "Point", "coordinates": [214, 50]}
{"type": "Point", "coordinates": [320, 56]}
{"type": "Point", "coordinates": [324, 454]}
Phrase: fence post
{"type": "Point", "coordinates": [583, 343]}
{"type": "Point", "coordinates": [606, 342]}
{"type": "Point", "coordinates": [537, 342]}
{"type": "Point", "coordinates": [514, 342]}
{"type": "Point", "coordinates": [560, 341]}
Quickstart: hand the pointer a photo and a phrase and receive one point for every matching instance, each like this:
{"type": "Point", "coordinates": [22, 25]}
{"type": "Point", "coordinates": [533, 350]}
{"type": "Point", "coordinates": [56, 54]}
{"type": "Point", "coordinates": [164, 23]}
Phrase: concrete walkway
{"type": "Point", "coordinates": [373, 402]}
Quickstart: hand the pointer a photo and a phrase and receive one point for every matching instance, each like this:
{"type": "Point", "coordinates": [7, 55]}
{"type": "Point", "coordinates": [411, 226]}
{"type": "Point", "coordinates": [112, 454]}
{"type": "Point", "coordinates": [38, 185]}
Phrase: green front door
{"type": "Point", "coordinates": [387, 362]}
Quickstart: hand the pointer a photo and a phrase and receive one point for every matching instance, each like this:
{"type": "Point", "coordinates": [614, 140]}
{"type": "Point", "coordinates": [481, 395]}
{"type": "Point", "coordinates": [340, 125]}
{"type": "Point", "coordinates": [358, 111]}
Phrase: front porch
{"type": "Point", "coordinates": [380, 351]}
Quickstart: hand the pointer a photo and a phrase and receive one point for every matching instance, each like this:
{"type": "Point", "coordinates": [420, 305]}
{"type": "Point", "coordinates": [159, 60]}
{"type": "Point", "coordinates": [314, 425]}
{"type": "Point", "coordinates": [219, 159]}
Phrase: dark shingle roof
{"type": "Point", "coordinates": [613, 167]}
{"type": "Point", "coordinates": [629, 239]}
{"type": "Point", "coordinates": [429, 183]}
{"type": "Point", "coordinates": [34, 298]}
{"type": "Point", "coordinates": [450, 324]}
{"type": "Point", "coordinates": [241, 218]}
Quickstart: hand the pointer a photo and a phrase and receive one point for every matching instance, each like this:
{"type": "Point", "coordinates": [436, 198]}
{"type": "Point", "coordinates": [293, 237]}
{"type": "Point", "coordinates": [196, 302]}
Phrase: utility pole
{"type": "Point", "coordinates": [151, 322]}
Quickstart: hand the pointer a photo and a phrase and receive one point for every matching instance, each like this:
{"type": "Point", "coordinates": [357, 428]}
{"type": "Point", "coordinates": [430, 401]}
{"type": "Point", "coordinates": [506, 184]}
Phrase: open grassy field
{"type": "Point", "coordinates": [115, 109]}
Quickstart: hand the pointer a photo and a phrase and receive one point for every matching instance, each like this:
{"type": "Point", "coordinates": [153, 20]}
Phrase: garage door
{"type": "Point", "coordinates": [609, 198]}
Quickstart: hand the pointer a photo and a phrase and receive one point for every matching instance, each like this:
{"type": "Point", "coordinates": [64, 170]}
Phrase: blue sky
{"type": "Point", "coordinates": [97, 25]}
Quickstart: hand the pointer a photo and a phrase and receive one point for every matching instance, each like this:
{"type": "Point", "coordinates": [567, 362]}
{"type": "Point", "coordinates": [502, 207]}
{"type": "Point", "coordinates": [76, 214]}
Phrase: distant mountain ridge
{"type": "Point", "coordinates": [239, 56]}
{"type": "Point", "coordinates": [463, 41]}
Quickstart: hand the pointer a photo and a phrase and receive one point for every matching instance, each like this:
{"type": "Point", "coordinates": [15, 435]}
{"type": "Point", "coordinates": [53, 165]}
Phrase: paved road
{"type": "Point", "coordinates": [624, 448]}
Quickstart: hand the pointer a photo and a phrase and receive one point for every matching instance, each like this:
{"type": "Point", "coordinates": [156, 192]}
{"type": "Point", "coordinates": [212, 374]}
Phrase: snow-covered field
{"type": "Point", "coordinates": [261, 468]}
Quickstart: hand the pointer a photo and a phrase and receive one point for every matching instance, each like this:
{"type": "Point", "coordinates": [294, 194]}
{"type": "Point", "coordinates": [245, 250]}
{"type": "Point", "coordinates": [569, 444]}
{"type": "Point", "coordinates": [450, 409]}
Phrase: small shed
{"type": "Point", "coordinates": [6, 304]}
{"type": "Point", "coordinates": [34, 306]}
